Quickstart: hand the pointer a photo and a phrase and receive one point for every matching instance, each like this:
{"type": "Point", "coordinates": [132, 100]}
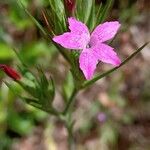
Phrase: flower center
{"type": "Point", "coordinates": [88, 45]}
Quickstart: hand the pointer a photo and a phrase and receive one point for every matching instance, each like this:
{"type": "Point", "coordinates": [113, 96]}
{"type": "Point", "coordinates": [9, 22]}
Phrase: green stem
{"type": "Point", "coordinates": [54, 112]}
{"type": "Point", "coordinates": [70, 101]}
{"type": "Point", "coordinates": [71, 141]}
{"type": "Point", "coordinates": [90, 82]}
{"type": "Point", "coordinates": [67, 113]}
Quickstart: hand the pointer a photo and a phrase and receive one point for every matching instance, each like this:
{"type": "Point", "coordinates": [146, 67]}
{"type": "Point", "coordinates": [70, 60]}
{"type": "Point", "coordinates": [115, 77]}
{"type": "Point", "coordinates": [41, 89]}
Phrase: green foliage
{"type": "Point", "coordinates": [68, 87]}
{"type": "Point", "coordinates": [6, 52]}
{"type": "Point", "coordinates": [42, 90]}
{"type": "Point", "coordinates": [32, 18]}
{"type": "Point", "coordinates": [19, 124]}
{"type": "Point", "coordinates": [58, 13]}
{"type": "Point", "coordinates": [105, 10]}
{"type": "Point", "coordinates": [109, 135]}
{"type": "Point", "coordinates": [31, 53]}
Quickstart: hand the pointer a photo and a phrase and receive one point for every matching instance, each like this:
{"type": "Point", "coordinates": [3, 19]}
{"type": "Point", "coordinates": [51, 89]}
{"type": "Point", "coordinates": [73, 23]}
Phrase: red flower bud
{"type": "Point", "coordinates": [10, 72]}
{"type": "Point", "coordinates": [70, 5]}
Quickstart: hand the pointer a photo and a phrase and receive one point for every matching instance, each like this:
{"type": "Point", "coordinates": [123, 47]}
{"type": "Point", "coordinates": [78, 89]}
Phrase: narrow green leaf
{"type": "Point", "coordinates": [30, 100]}
{"type": "Point", "coordinates": [27, 100]}
{"type": "Point", "coordinates": [11, 88]}
{"type": "Point", "coordinates": [43, 80]}
{"type": "Point", "coordinates": [51, 90]}
{"type": "Point", "coordinates": [98, 14]}
{"type": "Point", "coordinates": [91, 20]}
{"type": "Point", "coordinates": [79, 10]}
{"type": "Point", "coordinates": [58, 11]}
{"type": "Point", "coordinates": [45, 89]}
{"type": "Point", "coordinates": [87, 9]}
{"type": "Point", "coordinates": [29, 89]}
{"type": "Point", "coordinates": [19, 57]}
{"type": "Point", "coordinates": [32, 18]}
{"type": "Point", "coordinates": [96, 78]}
{"type": "Point", "coordinates": [105, 11]}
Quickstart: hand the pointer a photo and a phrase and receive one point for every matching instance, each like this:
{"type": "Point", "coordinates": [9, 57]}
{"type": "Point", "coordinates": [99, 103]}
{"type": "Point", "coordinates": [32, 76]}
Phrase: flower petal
{"type": "Point", "coordinates": [104, 32]}
{"type": "Point", "coordinates": [106, 54]}
{"type": "Point", "coordinates": [71, 40]}
{"type": "Point", "coordinates": [78, 38]}
{"type": "Point", "coordinates": [77, 26]}
{"type": "Point", "coordinates": [88, 63]}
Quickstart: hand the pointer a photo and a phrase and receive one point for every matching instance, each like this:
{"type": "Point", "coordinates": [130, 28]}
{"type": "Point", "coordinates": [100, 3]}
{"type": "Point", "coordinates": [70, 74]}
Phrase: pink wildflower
{"type": "Point", "coordinates": [10, 72]}
{"type": "Point", "coordinates": [93, 48]}
{"type": "Point", "coordinates": [102, 117]}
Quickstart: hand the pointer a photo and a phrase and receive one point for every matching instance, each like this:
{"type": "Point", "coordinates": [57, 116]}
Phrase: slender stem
{"type": "Point", "coordinates": [70, 101]}
{"type": "Point", "coordinates": [90, 82]}
{"type": "Point", "coordinates": [68, 121]}
{"type": "Point", "coordinates": [71, 141]}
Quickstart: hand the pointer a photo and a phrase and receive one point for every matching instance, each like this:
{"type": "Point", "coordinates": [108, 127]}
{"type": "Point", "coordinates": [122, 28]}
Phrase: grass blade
{"type": "Point", "coordinates": [32, 18]}
{"type": "Point", "coordinates": [105, 11]}
{"type": "Point", "coordinates": [87, 9]}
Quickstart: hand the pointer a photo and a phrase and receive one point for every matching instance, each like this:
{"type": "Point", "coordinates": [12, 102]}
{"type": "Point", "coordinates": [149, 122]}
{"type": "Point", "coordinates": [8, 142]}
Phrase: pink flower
{"type": "Point", "coordinates": [10, 72]}
{"type": "Point", "coordinates": [93, 47]}
{"type": "Point", "coordinates": [101, 117]}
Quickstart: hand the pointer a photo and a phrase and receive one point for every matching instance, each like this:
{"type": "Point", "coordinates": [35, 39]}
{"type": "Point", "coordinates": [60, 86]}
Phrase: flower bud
{"type": "Point", "coordinates": [10, 72]}
{"type": "Point", "coordinates": [70, 5]}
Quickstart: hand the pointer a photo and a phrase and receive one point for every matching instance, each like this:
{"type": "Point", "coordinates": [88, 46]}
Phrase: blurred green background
{"type": "Point", "coordinates": [113, 114]}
